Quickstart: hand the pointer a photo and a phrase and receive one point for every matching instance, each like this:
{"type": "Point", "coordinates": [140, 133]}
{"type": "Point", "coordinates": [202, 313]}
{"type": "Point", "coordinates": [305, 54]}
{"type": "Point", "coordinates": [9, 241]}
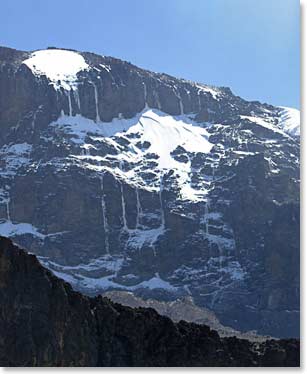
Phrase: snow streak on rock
{"type": "Point", "coordinates": [104, 217]}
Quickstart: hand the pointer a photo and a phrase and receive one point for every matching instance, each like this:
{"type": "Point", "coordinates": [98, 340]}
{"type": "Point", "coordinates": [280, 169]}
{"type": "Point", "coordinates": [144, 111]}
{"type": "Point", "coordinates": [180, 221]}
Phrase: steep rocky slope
{"type": "Point", "coordinates": [43, 322]}
{"type": "Point", "coordinates": [182, 309]}
{"type": "Point", "coordinates": [120, 178]}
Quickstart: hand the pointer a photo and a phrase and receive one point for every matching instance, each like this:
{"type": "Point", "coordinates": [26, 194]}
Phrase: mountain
{"type": "Point", "coordinates": [119, 178]}
{"type": "Point", "coordinates": [45, 323]}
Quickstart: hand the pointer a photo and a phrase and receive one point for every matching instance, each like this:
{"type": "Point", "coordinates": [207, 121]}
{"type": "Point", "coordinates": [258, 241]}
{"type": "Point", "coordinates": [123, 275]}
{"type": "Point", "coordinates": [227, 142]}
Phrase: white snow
{"type": "Point", "coordinates": [9, 229]}
{"type": "Point", "coordinates": [104, 216]}
{"type": "Point", "coordinates": [164, 133]}
{"type": "Point", "coordinates": [79, 126]}
{"type": "Point", "coordinates": [107, 282]}
{"type": "Point", "coordinates": [96, 102]}
{"type": "Point", "coordinates": [106, 67]}
{"type": "Point", "coordinates": [156, 282]}
{"type": "Point", "coordinates": [290, 120]}
{"type": "Point", "coordinates": [19, 148]}
{"type": "Point", "coordinates": [262, 122]}
{"type": "Point", "coordinates": [214, 92]}
{"type": "Point", "coordinates": [60, 66]}
{"type": "Point", "coordinates": [106, 262]}
{"type": "Point", "coordinates": [138, 208]}
{"type": "Point", "coordinates": [235, 270]}
{"type": "Point", "coordinates": [15, 156]}
{"type": "Point", "coordinates": [138, 238]}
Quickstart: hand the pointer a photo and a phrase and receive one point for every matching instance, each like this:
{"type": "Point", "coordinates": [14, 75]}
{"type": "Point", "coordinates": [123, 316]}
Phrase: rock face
{"type": "Point", "coordinates": [45, 323]}
{"type": "Point", "coordinates": [123, 179]}
{"type": "Point", "coordinates": [182, 309]}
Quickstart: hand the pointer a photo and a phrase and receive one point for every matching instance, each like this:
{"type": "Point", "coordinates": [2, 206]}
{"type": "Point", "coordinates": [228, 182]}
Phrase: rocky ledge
{"type": "Point", "coordinates": [44, 322]}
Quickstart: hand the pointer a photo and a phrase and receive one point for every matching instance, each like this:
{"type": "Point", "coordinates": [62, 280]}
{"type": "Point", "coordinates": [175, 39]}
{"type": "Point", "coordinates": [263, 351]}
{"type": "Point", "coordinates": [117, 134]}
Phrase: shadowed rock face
{"type": "Point", "coordinates": [85, 186]}
{"type": "Point", "coordinates": [43, 322]}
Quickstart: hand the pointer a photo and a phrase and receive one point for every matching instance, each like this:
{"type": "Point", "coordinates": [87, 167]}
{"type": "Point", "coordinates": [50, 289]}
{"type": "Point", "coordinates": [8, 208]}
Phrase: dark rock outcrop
{"type": "Point", "coordinates": [43, 322]}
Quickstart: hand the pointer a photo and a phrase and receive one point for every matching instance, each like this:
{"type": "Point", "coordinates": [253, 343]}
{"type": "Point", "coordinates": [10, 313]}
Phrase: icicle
{"type": "Point", "coordinates": [215, 296]}
{"type": "Point", "coordinates": [123, 200]}
{"type": "Point", "coordinates": [8, 216]}
{"type": "Point", "coordinates": [138, 209]}
{"type": "Point", "coordinates": [77, 99]}
{"type": "Point", "coordinates": [246, 144]}
{"type": "Point", "coordinates": [145, 95]}
{"type": "Point", "coordinates": [154, 251]}
{"type": "Point", "coordinates": [206, 217]}
{"type": "Point", "coordinates": [104, 217]}
{"type": "Point", "coordinates": [181, 106]}
{"type": "Point", "coordinates": [161, 201]}
{"type": "Point", "coordinates": [158, 100]}
{"type": "Point", "coordinates": [177, 94]}
{"type": "Point", "coordinates": [96, 102]}
{"type": "Point", "coordinates": [33, 120]}
{"type": "Point", "coordinates": [69, 104]}
{"type": "Point", "coordinates": [199, 103]}
{"type": "Point", "coordinates": [123, 207]}
{"type": "Point", "coordinates": [220, 256]}
{"type": "Point", "coordinates": [269, 163]}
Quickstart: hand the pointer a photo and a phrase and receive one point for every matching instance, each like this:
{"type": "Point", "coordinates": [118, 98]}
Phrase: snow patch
{"type": "Point", "coordinates": [15, 156]}
{"type": "Point", "coordinates": [106, 262]}
{"type": "Point", "coordinates": [290, 121]}
{"type": "Point", "coordinates": [10, 229]}
{"type": "Point", "coordinates": [139, 238]}
{"type": "Point", "coordinates": [214, 92]}
{"type": "Point", "coordinates": [163, 132]}
{"type": "Point", "coordinates": [262, 122]}
{"type": "Point", "coordinates": [107, 282]}
{"type": "Point", "coordinates": [60, 66]}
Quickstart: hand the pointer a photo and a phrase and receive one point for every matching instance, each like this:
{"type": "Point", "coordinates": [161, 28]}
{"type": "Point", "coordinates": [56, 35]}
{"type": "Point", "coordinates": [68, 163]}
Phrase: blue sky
{"type": "Point", "coordinates": [252, 46]}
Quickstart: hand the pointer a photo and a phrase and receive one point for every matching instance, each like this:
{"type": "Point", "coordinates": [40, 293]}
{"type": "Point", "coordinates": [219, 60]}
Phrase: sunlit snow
{"type": "Point", "coordinates": [60, 66]}
{"type": "Point", "coordinates": [290, 120]}
{"type": "Point", "coordinates": [264, 123]}
{"type": "Point", "coordinates": [164, 133]}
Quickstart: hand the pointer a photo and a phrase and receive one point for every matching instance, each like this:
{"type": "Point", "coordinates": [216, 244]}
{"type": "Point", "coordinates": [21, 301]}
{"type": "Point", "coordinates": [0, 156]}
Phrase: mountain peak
{"type": "Point", "coordinates": [121, 178]}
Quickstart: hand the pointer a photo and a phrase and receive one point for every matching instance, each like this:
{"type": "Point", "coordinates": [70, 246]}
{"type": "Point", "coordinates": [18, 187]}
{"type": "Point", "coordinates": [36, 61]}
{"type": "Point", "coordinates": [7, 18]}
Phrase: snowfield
{"type": "Point", "coordinates": [290, 121]}
{"type": "Point", "coordinates": [60, 66]}
{"type": "Point", "coordinates": [163, 132]}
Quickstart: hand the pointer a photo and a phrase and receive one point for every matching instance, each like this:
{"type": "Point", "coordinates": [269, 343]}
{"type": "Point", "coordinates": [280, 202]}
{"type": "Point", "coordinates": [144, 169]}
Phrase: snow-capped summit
{"type": "Point", "coordinates": [58, 65]}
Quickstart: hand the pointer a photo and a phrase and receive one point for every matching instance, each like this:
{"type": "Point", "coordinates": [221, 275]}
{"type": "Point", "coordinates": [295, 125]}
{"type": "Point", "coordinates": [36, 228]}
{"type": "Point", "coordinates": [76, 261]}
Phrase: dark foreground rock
{"type": "Point", "coordinates": [43, 322]}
